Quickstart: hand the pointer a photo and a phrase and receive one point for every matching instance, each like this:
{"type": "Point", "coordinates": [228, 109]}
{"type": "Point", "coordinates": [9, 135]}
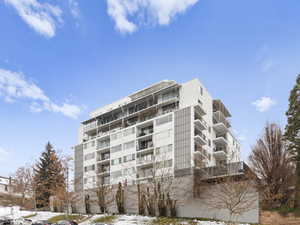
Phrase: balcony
{"type": "Point", "coordinates": [230, 169]}
{"type": "Point", "coordinates": [220, 140]}
{"type": "Point", "coordinates": [103, 157]}
{"type": "Point", "coordinates": [199, 109]}
{"type": "Point", "coordinates": [200, 124]}
{"type": "Point", "coordinates": [145, 160]}
{"type": "Point", "coordinates": [145, 144]}
{"type": "Point", "coordinates": [145, 131]}
{"type": "Point", "coordinates": [220, 153]}
{"type": "Point", "coordinates": [200, 138]}
{"type": "Point", "coordinates": [221, 123]}
{"type": "Point", "coordinates": [103, 170]}
{"type": "Point", "coordinates": [145, 173]}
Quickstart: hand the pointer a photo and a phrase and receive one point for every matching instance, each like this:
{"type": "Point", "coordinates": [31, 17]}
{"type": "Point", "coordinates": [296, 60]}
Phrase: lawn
{"type": "Point", "coordinates": [76, 218]}
{"type": "Point", "coordinates": [105, 219]}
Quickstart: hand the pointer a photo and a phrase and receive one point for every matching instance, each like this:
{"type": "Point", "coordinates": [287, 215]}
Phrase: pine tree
{"type": "Point", "coordinates": [49, 176]}
{"type": "Point", "coordinates": [292, 134]}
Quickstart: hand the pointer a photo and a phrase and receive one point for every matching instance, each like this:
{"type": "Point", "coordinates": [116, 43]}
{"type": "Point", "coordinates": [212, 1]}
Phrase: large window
{"type": "Point", "coordinates": [116, 174]}
{"type": "Point", "coordinates": [164, 149]}
{"type": "Point", "coordinates": [129, 145]}
{"type": "Point", "coordinates": [102, 143]}
{"type": "Point", "coordinates": [129, 171]}
{"type": "Point", "coordinates": [89, 156]}
{"type": "Point", "coordinates": [163, 120]}
{"type": "Point", "coordinates": [116, 148]}
{"type": "Point", "coordinates": [89, 168]}
{"type": "Point", "coordinates": [164, 164]}
{"type": "Point", "coordinates": [129, 158]}
{"type": "Point", "coordinates": [117, 161]}
{"type": "Point", "coordinates": [116, 136]}
{"type": "Point", "coordinates": [163, 135]}
{"type": "Point", "coordinates": [129, 131]}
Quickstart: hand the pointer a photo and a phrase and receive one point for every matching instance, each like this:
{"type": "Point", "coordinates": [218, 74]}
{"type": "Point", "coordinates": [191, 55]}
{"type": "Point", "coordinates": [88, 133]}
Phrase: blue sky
{"type": "Point", "coordinates": [60, 59]}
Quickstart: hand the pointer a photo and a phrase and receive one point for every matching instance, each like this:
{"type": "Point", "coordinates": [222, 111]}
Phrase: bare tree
{"type": "Point", "coordinates": [234, 194]}
{"type": "Point", "coordinates": [157, 192]}
{"type": "Point", "coordinates": [271, 162]}
{"type": "Point", "coordinates": [22, 183]}
{"type": "Point", "coordinates": [104, 193]}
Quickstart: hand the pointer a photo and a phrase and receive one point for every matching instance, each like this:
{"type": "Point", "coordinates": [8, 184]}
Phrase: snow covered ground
{"type": "Point", "coordinates": [15, 213]}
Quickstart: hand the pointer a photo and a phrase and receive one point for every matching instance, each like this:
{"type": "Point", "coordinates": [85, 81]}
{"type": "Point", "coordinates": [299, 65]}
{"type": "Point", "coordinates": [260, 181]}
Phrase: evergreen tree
{"type": "Point", "coordinates": [48, 177]}
{"type": "Point", "coordinates": [292, 134]}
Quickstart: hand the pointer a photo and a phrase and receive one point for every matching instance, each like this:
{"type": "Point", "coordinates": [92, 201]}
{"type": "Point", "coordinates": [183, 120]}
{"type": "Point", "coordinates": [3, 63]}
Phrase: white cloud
{"type": "Point", "coordinates": [264, 104]}
{"type": "Point", "coordinates": [14, 86]}
{"type": "Point", "coordinates": [74, 8]}
{"type": "Point", "coordinates": [157, 11]}
{"type": "Point", "coordinates": [42, 17]}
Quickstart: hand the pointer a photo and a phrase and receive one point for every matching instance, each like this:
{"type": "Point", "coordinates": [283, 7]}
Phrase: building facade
{"type": "Point", "coordinates": [5, 185]}
{"type": "Point", "coordinates": [167, 126]}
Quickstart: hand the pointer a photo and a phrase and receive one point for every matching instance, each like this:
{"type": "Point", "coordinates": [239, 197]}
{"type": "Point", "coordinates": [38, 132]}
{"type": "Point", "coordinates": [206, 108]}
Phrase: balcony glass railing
{"type": "Point", "coordinates": [145, 159]}
{"type": "Point", "coordinates": [145, 132]}
{"type": "Point", "coordinates": [201, 135]}
{"type": "Point", "coordinates": [225, 170]}
{"type": "Point", "coordinates": [93, 125]}
{"type": "Point", "coordinates": [220, 149]}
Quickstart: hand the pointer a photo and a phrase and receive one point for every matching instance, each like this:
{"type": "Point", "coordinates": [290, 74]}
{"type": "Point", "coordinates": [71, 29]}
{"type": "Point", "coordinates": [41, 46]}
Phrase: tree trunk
{"type": "Point", "coordinates": [297, 186]}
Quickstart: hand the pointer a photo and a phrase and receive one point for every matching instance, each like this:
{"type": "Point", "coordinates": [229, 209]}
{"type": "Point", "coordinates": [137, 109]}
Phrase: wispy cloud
{"type": "Point", "coordinates": [14, 86]}
{"type": "Point", "coordinates": [74, 8]}
{"type": "Point", "coordinates": [41, 16]}
{"type": "Point", "coordinates": [143, 11]}
{"type": "Point", "coordinates": [263, 104]}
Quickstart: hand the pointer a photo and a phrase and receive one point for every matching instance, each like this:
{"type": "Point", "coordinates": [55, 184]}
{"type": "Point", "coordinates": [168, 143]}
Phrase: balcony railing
{"type": "Point", "coordinates": [145, 159]}
{"type": "Point", "coordinates": [220, 149]}
{"type": "Point", "coordinates": [220, 118]}
{"type": "Point", "coordinates": [94, 124]}
{"type": "Point", "coordinates": [103, 170]}
{"type": "Point", "coordinates": [145, 132]}
{"type": "Point", "coordinates": [225, 170]}
{"type": "Point", "coordinates": [145, 146]}
{"type": "Point", "coordinates": [103, 157]}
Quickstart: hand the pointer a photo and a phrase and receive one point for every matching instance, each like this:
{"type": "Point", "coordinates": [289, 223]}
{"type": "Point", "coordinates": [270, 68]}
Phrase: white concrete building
{"type": "Point", "coordinates": [5, 185]}
{"type": "Point", "coordinates": [179, 126]}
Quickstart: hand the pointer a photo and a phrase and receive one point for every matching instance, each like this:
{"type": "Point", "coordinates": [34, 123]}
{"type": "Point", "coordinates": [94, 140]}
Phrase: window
{"type": "Point", "coordinates": [116, 136]}
{"type": "Point", "coordinates": [201, 90]}
{"type": "Point", "coordinates": [92, 143]}
{"type": "Point", "coordinates": [209, 142]}
{"type": "Point", "coordinates": [163, 135]}
{"type": "Point", "coordinates": [85, 146]}
{"type": "Point", "coordinates": [128, 131]}
{"type": "Point", "coordinates": [89, 168]}
{"type": "Point", "coordinates": [89, 156]}
{"type": "Point", "coordinates": [164, 149]}
{"type": "Point", "coordinates": [164, 164]}
{"type": "Point", "coordinates": [129, 171]}
{"type": "Point", "coordinates": [116, 174]}
{"type": "Point", "coordinates": [116, 148]}
{"type": "Point", "coordinates": [129, 145]}
{"type": "Point", "coordinates": [129, 158]}
{"type": "Point", "coordinates": [163, 120]}
{"type": "Point", "coordinates": [102, 143]}
{"type": "Point", "coordinates": [117, 161]}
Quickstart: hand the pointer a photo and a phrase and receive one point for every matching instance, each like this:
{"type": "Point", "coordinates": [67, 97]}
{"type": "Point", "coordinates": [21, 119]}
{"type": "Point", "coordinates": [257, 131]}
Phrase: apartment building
{"type": "Point", "coordinates": [178, 128]}
{"type": "Point", "coordinates": [167, 125]}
